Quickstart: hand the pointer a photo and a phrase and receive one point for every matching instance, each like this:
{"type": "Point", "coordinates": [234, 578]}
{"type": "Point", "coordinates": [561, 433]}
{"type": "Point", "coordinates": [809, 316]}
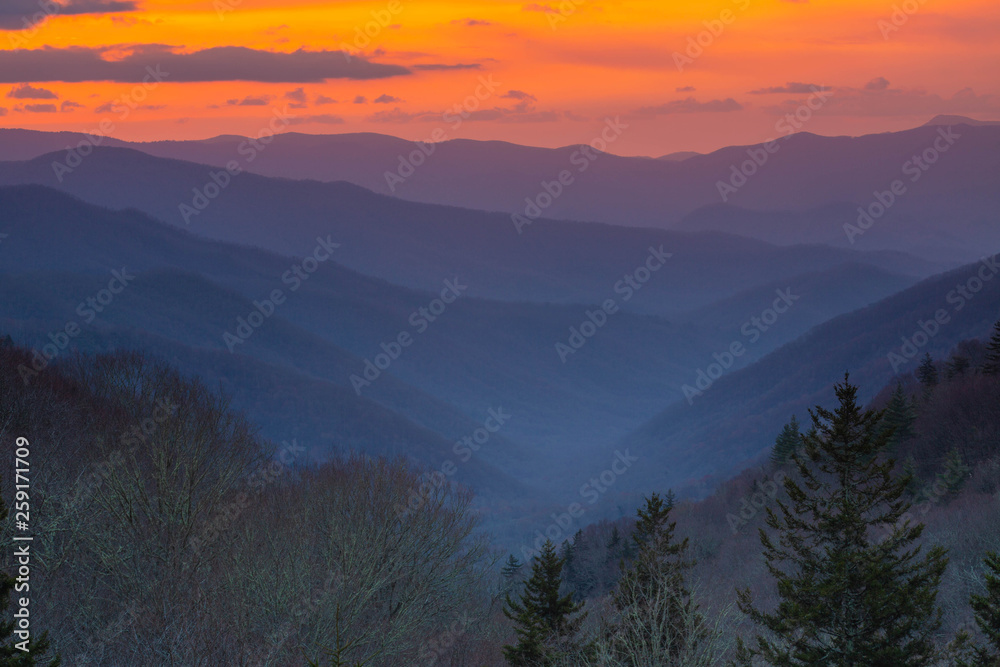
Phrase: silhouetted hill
{"type": "Point", "coordinates": [736, 418]}
{"type": "Point", "coordinates": [418, 245]}
{"type": "Point", "coordinates": [952, 199]}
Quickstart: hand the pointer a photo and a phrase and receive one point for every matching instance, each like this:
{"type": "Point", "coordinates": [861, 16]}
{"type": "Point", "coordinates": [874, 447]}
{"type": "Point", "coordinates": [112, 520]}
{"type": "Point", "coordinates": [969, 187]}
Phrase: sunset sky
{"type": "Point", "coordinates": [555, 70]}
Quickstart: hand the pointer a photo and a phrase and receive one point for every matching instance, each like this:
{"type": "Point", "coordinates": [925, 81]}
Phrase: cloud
{"type": "Point", "coordinates": [38, 108]}
{"type": "Point", "coordinates": [387, 99]}
{"type": "Point", "coordinates": [3, 111]}
{"type": "Point", "coordinates": [261, 101]}
{"type": "Point", "coordinates": [685, 89]}
{"type": "Point", "coordinates": [27, 92]}
{"type": "Point", "coordinates": [522, 112]}
{"type": "Point", "coordinates": [226, 63]}
{"type": "Point", "coordinates": [877, 98]}
{"type": "Point", "coordinates": [471, 22]}
{"type": "Point", "coordinates": [690, 105]}
{"type": "Point", "coordinates": [297, 95]}
{"type": "Point", "coordinates": [323, 99]}
{"type": "Point", "coordinates": [519, 95]}
{"type": "Point", "coordinates": [433, 67]}
{"type": "Point", "coordinates": [535, 7]}
{"type": "Point", "coordinates": [322, 119]}
{"type": "Point", "coordinates": [360, 99]}
{"type": "Point", "coordinates": [790, 87]}
{"type": "Point", "coordinates": [69, 106]}
{"type": "Point", "coordinates": [19, 14]}
{"type": "Point", "coordinates": [881, 83]}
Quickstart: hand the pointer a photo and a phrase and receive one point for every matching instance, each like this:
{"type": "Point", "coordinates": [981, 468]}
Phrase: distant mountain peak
{"type": "Point", "coordinates": [952, 119]}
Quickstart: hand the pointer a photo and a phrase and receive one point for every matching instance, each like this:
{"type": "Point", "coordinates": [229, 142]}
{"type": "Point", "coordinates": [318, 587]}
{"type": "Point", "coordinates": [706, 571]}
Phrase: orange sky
{"type": "Point", "coordinates": [559, 68]}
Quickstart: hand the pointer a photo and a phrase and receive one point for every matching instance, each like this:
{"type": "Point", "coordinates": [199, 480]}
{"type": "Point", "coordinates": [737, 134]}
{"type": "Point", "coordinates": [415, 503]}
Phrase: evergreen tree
{"type": "Point", "coordinates": [787, 443]}
{"type": "Point", "coordinates": [846, 597]}
{"type": "Point", "coordinates": [992, 365]}
{"type": "Point", "coordinates": [987, 609]}
{"type": "Point", "coordinates": [927, 373]}
{"type": "Point", "coordinates": [546, 623]}
{"type": "Point", "coordinates": [509, 575]}
{"type": "Point", "coordinates": [899, 416]}
{"type": "Point", "coordinates": [958, 365]}
{"type": "Point", "coordinates": [657, 620]}
{"type": "Point", "coordinates": [13, 651]}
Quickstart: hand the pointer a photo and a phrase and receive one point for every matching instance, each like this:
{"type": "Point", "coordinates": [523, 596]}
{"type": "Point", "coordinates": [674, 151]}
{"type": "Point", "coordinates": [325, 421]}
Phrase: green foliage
{"type": "Point", "coordinates": [654, 592]}
{"type": "Point", "coordinates": [992, 363]}
{"type": "Point", "coordinates": [899, 417]}
{"type": "Point", "coordinates": [846, 597]}
{"type": "Point", "coordinates": [546, 623]}
{"type": "Point", "coordinates": [987, 609]}
{"type": "Point", "coordinates": [927, 373]}
{"type": "Point", "coordinates": [788, 442]}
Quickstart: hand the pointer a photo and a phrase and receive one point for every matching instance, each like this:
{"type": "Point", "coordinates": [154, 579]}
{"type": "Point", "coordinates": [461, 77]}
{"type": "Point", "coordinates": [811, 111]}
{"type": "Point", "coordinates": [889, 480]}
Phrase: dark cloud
{"type": "Point", "coordinates": [387, 99]}
{"type": "Point", "coordinates": [38, 108]}
{"type": "Point", "coordinates": [19, 14]}
{"type": "Point", "coordinates": [227, 63]}
{"type": "Point", "coordinates": [876, 98]}
{"type": "Point", "coordinates": [690, 105]}
{"type": "Point", "coordinates": [471, 22]}
{"type": "Point", "coordinates": [685, 89]}
{"type": "Point", "coordinates": [323, 99]}
{"type": "Point", "coordinates": [518, 95]}
{"type": "Point", "coordinates": [3, 111]}
{"type": "Point", "coordinates": [790, 87]}
{"type": "Point", "coordinates": [880, 83]}
{"type": "Point", "coordinates": [27, 92]}
{"type": "Point", "coordinates": [261, 101]}
{"type": "Point", "coordinates": [297, 95]}
{"type": "Point", "coordinates": [433, 67]}
{"type": "Point", "coordinates": [70, 105]}
{"type": "Point", "coordinates": [360, 99]}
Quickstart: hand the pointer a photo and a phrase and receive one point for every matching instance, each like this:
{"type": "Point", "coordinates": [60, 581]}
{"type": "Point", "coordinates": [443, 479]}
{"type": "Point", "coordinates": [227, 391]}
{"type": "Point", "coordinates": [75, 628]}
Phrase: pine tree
{"type": "Point", "coordinates": [987, 609]}
{"type": "Point", "coordinates": [546, 623]}
{"type": "Point", "coordinates": [992, 365]}
{"type": "Point", "coordinates": [846, 597]}
{"type": "Point", "coordinates": [787, 443]}
{"type": "Point", "coordinates": [657, 620]}
{"type": "Point", "coordinates": [899, 416]}
{"type": "Point", "coordinates": [509, 574]}
{"type": "Point", "coordinates": [957, 366]}
{"type": "Point", "coordinates": [927, 373]}
{"type": "Point", "coordinates": [10, 653]}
